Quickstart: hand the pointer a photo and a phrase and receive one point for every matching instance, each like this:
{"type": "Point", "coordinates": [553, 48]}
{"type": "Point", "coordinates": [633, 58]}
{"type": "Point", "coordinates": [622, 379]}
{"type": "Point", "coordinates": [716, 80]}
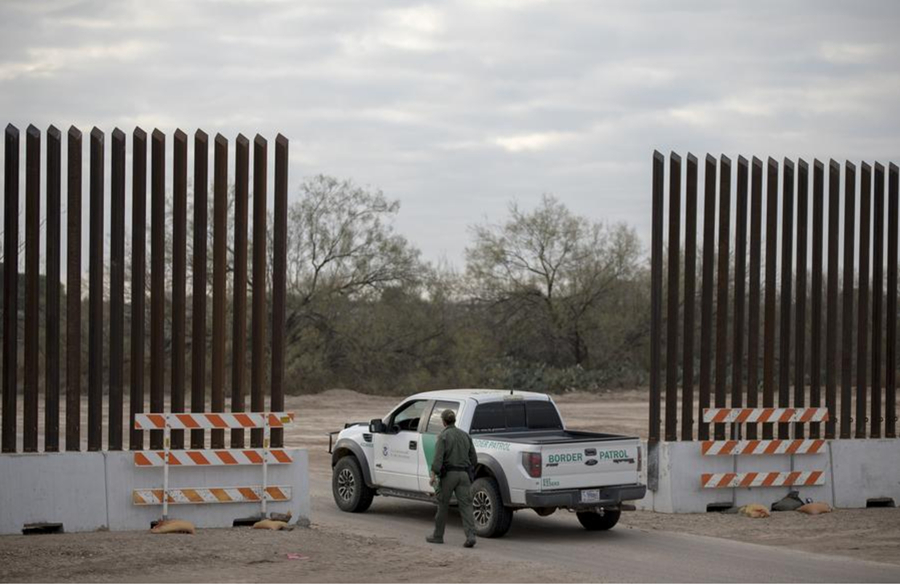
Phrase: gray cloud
{"type": "Point", "coordinates": [455, 108]}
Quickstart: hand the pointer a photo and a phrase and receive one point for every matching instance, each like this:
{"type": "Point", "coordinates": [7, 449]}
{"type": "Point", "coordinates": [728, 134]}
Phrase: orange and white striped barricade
{"type": "Point", "coordinates": [731, 480]}
{"type": "Point", "coordinates": [764, 415]}
{"type": "Point", "coordinates": [224, 457]}
{"type": "Point", "coordinates": [219, 457]}
{"type": "Point", "coordinates": [738, 447]}
{"type": "Point", "coordinates": [210, 495]}
{"type": "Point", "coordinates": [738, 416]}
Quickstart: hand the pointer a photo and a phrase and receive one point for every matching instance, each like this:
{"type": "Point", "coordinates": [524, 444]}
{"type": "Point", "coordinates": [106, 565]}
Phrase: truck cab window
{"type": "Point", "coordinates": [435, 424]}
{"type": "Point", "coordinates": [542, 415]}
{"type": "Point", "coordinates": [407, 417]}
{"type": "Point", "coordinates": [488, 417]}
{"type": "Point", "coordinates": [515, 416]}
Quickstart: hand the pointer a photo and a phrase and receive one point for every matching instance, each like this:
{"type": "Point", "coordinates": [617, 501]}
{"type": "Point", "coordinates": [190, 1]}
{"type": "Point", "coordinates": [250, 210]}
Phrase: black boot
{"type": "Point", "coordinates": [470, 542]}
{"type": "Point", "coordinates": [434, 539]}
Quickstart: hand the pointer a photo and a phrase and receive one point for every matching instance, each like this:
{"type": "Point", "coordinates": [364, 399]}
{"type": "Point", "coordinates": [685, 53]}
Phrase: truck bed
{"type": "Point", "coordinates": [541, 437]}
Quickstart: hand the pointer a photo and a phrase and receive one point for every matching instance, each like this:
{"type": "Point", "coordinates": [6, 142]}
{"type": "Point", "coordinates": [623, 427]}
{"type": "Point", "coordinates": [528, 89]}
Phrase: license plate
{"type": "Point", "coordinates": [590, 496]}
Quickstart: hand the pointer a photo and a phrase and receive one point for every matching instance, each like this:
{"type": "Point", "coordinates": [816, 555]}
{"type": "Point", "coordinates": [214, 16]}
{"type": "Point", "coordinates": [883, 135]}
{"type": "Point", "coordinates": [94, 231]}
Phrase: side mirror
{"type": "Point", "coordinates": [376, 426]}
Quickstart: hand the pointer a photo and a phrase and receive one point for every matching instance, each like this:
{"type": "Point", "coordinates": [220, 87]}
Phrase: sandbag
{"type": "Point", "coordinates": [286, 517]}
{"type": "Point", "coordinates": [815, 508]}
{"type": "Point", "coordinates": [173, 526]}
{"type": "Point", "coordinates": [755, 511]}
{"type": "Point", "coordinates": [269, 524]}
{"type": "Point", "coordinates": [791, 502]}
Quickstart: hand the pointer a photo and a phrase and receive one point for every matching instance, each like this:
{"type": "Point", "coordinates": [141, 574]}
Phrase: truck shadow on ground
{"type": "Point", "coordinates": [560, 528]}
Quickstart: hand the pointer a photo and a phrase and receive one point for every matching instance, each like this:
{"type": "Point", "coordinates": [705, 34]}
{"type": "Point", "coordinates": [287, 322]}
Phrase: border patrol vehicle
{"type": "Point", "coordinates": [527, 459]}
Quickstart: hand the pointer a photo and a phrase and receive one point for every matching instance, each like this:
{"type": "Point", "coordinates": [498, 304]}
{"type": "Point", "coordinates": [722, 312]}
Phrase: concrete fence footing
{"type": "Point", "coordinates": [90, 491]}
{"type": "Point", "coordinates": [855, 472]}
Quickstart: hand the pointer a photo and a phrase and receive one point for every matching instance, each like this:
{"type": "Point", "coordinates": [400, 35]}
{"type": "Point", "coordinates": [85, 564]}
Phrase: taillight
{"type": "Point", "coordinates": [640, 458]}
{"type": "Point", "coordinates": [532, 463]}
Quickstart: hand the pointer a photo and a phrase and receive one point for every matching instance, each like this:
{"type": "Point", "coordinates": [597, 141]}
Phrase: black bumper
{"type": "Point", "coordinates": [571, 498]}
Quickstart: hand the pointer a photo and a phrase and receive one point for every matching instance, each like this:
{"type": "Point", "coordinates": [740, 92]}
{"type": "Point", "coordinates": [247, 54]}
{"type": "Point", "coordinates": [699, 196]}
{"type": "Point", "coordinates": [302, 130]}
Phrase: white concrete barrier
{"type": "Point", "coordinates": [865, 469]}
{"type": "Point", "coordinates": [87, 491]}
{"type": "Point", "coordinates": [67, 488]}
{"type": "Point", "coordinates": [855, 471]}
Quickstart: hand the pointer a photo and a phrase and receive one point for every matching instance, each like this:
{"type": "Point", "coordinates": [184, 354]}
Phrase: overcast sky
{"type": "Point", "coordinates": [457, 108]}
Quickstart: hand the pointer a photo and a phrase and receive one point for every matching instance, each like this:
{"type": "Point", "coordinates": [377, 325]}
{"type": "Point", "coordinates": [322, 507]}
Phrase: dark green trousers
{"type": "Point", "coordinates": [455, 482]}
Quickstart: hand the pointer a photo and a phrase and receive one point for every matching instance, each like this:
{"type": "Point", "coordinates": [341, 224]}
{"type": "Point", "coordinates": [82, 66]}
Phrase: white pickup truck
{"type": "Point", "coordinates": [527, 459]}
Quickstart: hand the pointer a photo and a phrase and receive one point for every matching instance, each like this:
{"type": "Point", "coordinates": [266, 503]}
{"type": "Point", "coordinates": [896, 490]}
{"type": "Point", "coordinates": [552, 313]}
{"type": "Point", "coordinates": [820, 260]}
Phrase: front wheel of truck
{"type": "Point", "coordinates": [596, 522]}
{"type": "Point", "coordinates": [492, 518]}
{"type": "Point", "coordinates": [348, 485]}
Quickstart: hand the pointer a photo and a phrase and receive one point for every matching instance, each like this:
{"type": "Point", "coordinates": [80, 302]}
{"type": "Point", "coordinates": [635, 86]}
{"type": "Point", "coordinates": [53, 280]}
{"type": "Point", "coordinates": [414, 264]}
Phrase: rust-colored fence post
{"type": "Point", "coordinates": [279, 267]}
{"type": "Point", "coordinates": [138, 280]}
{"type": "Point", "coordinates": [32, 286]}
{"type": "Point", "coordinates": [95, 290]}
{"type": "Point", "coordinates": [847, 321]}
{"type": "Point", "coordinates": [656, 275]}
{"type": "Point", "coordinates": [787, 253]}
{"type": "Point", "coordinates": [157, 280]}
{"type": "Point", "coordinates": [740, 283]}
{"type": "Point", "coordinates": [51, 328]}
{"type": "Point", "coordinates": [239, 336]}
{"type": "Point", "coordinates": [10, 285]}
{"type": "Point", "coordinates": [73, 292]}
{"type": "Point", "coordinates": [179, 245]}
{"type": "Point", "coordinates": [831, 333]}
{"type": "Point", "coordinates": [800, 295]}
{"type": "Point", "coordinates": [117, 290]}
{"type": "Point", "coordinates": [808, 329]}
{"type": "Point", "coordinates": [890, 387]}
{"type": "Point", "coordinates": [258, 330]}
{"type": "Point", "coordinates": [753, 311]}
{"type": "Point", "coordinates": [690, 298]}
{"type": "Point", "coordinates": [220, 237]}
{"type": "Point", "coordinates": [815, 338]}
{"type": "Point", "coordinates": [706, 294]}
{"type": "Point", "coordinates": [877, 298]}
{"type": "Point", "coordinates": [862, 327]}
{"type": "Point", "coordinates": [198, 318]}
{"type": "Point", "coordinates": [722, 284]}
{"type": "Point", "coordinates": [771, 275]}
{"type": "Point", "coordinates": [672, 303]}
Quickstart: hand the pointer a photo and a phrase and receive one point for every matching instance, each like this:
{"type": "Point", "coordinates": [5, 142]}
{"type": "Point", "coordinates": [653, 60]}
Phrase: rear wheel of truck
{"type": "Point", "coordinates": [492, 518]}
{"type": "Point", "coordinates": [596, 522]}
{"type": "Point", "coordinates": [348, 485]}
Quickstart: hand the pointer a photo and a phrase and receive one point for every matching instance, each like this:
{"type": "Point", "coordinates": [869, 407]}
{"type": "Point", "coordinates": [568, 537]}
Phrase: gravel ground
{"type": "Point", "coordinates": [249, 555]}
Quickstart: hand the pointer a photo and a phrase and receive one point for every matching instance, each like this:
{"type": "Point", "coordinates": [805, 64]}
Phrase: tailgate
{"type": "Point", "coordinates": [589, 464]}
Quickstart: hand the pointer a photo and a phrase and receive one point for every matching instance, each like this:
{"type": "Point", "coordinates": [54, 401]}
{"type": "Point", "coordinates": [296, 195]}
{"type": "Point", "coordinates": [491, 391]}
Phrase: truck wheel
{"type": "Point", "coordinates": [492, 518]}
{"type": "Point", "coordinates": [349, 486]}
{"type": "Point", "coordinates": [596, 522]}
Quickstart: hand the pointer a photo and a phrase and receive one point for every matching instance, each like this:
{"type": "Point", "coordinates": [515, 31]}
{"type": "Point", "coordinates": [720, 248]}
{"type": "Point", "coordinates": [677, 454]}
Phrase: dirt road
{"type": "Point", "coordinates": [646, 546]}
{"type": "Point", "coordinates": [624, 554]}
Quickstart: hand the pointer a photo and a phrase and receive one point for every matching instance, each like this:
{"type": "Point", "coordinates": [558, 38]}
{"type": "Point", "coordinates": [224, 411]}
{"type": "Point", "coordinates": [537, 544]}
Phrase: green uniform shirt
{"type": "Point", "coordinates": [453, 448]}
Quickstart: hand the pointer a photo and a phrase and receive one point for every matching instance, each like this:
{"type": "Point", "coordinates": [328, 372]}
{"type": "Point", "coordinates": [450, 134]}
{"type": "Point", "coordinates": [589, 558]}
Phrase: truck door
{"type": "Point", "coordinates": [429, 437]}
{"type": "Point", "coordinates": [397, 450]}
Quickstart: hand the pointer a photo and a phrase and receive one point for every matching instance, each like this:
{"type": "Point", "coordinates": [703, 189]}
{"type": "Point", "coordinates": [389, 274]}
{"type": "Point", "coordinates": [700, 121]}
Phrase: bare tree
{"type": "Point", "coordinates": [341, 241]}
{"type": "Point", "coordinates": [544, 272]}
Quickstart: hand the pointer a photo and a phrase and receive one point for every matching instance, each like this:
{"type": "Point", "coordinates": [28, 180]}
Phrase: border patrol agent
{"type": "Point", "coordinates": [454, 455]}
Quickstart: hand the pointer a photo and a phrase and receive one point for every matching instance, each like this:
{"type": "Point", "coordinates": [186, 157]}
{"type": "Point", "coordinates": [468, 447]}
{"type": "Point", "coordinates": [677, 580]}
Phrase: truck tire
{"type": "Point", "coordinates": [596, 522]}
{"type": "Point", "coordinates": [492, 518]}
{"type": "Point", "coordinates": [348, 486]}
